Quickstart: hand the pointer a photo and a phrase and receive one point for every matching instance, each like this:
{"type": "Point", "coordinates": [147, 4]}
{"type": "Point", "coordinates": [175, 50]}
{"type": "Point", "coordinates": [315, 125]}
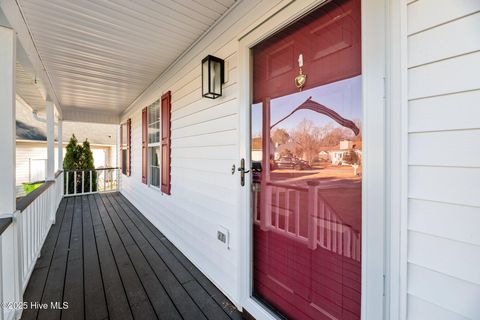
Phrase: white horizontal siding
{"type": "Point", "coordinates": [447, 184]}
{"type": "Point", "coordinates": [445, 112]}
{"type": "Point", "coordinates": [436, 218]}
{"type": "Point", "coordinates": [427, 14]}
{"type": "Point", "coordinates": [444, 41]}
{"type": "Point", "coordinates": [204, 146]}
{"type": "Point", "coordinates": [445, 148]}
{"type": "Point", "coordinates": [421, 310]}
{"type": "Point", "coordinates": [452, 294]}
{"type": "Point", "coordinates": [445, 77]}
{"type": "Point", "coordinates": [458, 259]}
{"type": "Point", "coordinates": [444, 159]}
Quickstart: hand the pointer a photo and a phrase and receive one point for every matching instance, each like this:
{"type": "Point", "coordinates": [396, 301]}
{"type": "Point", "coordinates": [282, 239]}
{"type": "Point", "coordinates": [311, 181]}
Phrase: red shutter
{"type": "Point", "coordinates": [144, 144]}
{"type": "Point", "coordinates": [166, 111]}
{"type": "Point", "coordinates": [129, 147]}
{"type": "Point", "coordinates": [121, 164]}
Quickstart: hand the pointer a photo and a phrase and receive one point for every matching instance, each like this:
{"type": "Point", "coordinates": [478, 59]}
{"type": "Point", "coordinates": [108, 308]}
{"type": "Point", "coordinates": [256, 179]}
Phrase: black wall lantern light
{"type": "Point", "coordinates": [212, 77]}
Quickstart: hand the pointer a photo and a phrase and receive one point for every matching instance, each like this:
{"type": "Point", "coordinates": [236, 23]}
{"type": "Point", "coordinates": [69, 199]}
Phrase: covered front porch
{"type": "Point", "coordinates": [107, 261]}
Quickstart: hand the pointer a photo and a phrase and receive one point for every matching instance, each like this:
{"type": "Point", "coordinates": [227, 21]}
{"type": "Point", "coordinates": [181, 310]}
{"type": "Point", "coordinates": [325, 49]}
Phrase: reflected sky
{"type": "Point", "coordinates": [342, 96]}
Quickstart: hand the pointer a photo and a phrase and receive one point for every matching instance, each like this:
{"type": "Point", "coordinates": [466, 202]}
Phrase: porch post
{"type": "Point", "coordinates": [60, 144]}
{"type": "Point", "coordinates": [7, 121]}
{"type": "Point", "coordinates": [50, 141]}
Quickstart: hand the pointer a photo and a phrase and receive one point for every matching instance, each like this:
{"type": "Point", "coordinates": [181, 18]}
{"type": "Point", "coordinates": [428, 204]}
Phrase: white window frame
{"type": "Point", "coordinates": [374, 132]}
{"type": "Point", "coordinates": [150, 147]}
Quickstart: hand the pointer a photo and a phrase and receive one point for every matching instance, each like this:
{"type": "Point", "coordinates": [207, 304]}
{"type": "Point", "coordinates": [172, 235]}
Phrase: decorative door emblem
{"type": "Point", "coordinates": [301, 78]}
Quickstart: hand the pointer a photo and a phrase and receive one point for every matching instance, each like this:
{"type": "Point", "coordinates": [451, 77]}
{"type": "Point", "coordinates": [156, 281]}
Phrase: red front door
{"type": "Point", "coordinates": [307, 163]}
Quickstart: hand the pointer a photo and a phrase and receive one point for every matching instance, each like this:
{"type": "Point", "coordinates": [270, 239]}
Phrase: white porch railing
{"type": "Point", "coordinates": [79, 182]}
{"type": "Point", "coordinates": [23, 239]}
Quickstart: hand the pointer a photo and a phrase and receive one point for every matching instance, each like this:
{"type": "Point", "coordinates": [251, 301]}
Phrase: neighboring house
{"type": "Point", "coordinates": [31, 145]}
{"type": "Point", "coordinates": [398, 239]}
{"type": "Point", "coordinates": [343, 150]}
{"type": "Point", "coordinates": [257, 149]}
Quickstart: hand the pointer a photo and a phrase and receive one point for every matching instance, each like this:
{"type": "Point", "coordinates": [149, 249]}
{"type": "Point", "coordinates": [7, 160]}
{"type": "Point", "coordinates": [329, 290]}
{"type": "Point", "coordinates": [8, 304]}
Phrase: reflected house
{"type": "Point", "coordinates": [257, 149]}
{"type": "Point", "coordinates": [341, 154]}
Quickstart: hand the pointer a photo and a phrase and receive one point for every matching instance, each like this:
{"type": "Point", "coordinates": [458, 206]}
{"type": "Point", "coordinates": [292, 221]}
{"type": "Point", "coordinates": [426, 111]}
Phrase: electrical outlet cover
{"type": "Point", "coordinates": [223, 235]}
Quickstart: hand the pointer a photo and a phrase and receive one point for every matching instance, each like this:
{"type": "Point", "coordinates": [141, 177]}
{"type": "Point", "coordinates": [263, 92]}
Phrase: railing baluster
{"type": "Point", "coordinates": [83, 181]}
{"type": "Point", "coordinates": [74, 182]}
{"type": "Point", "coordinates": [67, 183]}
{"type": "Point", "coordinates": [91, 179]}
{"type": "Point", "coordinates": [104, 180]}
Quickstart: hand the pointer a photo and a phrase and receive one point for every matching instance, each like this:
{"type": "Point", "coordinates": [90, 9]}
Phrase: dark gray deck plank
{"type": "Point", "coordinates": [36, 284]}
{"type": "Point", "coordinates": [117, 302]}
{"type": "Point", "coordinates": [73, 287]}
{"type": "Point", "coordinates": [53, 291]}
{"type": "Point", "coordinates": [163, 306]}
{"type": "Point", "coordinates": [139, 303]}
{"type": "Point", "coordinates": [177, 293]}
{"type": "Point", "coordinates": [205, 290]}
{"type": "Point", "coordinates": [95, 303]}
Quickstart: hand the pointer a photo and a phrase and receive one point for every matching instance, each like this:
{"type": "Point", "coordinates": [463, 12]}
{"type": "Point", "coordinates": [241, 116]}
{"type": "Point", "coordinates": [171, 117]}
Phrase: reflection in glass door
{"type": "Point", "coordinates": [306, 153]}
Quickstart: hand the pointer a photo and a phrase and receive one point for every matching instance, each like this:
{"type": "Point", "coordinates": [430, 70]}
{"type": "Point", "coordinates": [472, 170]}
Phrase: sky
{"type": "Point", "coordinates": [343, 96]}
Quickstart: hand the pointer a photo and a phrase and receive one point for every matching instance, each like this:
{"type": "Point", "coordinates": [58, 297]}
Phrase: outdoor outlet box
{"type": "Point", "coordinates": [223, 236]}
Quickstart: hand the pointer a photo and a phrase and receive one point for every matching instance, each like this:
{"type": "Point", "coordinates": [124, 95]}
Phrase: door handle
{"type": "Point", "coordinates": [242, 170]}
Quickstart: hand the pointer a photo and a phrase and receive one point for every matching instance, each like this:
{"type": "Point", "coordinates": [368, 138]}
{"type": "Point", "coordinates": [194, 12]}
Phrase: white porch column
{"type": "Point", "coordinates": [50, 141]}
{"type": "Point", "coordinates": [60, 144]}
{"type": "Point", "coordinates": [7, 121]}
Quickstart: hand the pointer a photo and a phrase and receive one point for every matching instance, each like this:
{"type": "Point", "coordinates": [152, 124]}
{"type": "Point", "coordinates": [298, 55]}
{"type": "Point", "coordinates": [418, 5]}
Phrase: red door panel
{"type": "Point", "coordinates": [306, 156]}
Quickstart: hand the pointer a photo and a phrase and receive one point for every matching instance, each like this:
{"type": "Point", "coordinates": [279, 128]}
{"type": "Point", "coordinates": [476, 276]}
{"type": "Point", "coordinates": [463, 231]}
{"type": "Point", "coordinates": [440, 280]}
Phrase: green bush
{"type": "Point", "coordinates": [79, 157]}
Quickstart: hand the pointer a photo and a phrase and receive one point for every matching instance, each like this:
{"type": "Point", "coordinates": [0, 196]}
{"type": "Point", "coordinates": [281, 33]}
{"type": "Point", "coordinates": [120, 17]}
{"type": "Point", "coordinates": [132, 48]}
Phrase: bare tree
{"type": "Point", "coordinates": [280, 136]}
{"type": "Point", "coordinates": [307, 138]}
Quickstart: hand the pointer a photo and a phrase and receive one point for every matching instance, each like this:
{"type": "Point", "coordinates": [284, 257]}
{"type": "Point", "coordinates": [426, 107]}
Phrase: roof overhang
{"type": "Point", "coordinates": [94, 59]}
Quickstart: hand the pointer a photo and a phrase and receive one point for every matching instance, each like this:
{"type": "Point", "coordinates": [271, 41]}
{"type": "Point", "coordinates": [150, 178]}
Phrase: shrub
{"type": "Point", "coordinates": [79, 157]}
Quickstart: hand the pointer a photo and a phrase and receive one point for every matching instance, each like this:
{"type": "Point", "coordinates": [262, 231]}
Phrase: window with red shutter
{"type": "Point", "coordinates": [122, 160]}
{"type": "Point", "coordinates": [129, 148]}
{"type": "Point", "coordinates": [144, 145]}
{"type": "Point", "coordinates": [166, 112]}
{"type": "Point", "coordinates": [125, 144]}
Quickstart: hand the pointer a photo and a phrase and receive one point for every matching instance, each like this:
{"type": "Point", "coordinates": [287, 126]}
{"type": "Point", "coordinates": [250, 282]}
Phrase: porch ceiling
{"type": "Point", "coordinates": [101, 55]}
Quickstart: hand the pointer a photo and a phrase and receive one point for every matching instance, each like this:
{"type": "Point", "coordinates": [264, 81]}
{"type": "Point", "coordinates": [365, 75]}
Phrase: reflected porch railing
{"type": "Point", "coordinates": [90, 181]}
{"type": "Point", "coordinates": [302, 214]}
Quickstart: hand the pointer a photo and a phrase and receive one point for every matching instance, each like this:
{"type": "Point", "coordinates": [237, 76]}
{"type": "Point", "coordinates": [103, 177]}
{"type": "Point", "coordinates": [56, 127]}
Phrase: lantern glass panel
{"type": "Point", "coordinates": [205, 77]}
{"type": "Point", "coordinates": [216, 77]}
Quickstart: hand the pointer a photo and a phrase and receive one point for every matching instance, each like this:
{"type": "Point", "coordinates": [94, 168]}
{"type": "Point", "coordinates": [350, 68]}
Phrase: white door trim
{"type": "Point", "coordinates": [374, 131]}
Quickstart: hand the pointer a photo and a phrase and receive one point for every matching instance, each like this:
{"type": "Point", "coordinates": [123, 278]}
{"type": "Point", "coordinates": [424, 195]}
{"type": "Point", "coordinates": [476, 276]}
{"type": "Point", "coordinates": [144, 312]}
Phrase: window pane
{"type": "Point", "coordinates": [124, 135]}
{"type": "Point", "coordinates": [154, 133]}
{"type": "Point", "coordinates": [154, 112]}
{"type": "Point", "coordinates": [155, 166]}
{"type": "Point", "coordinates": [154, 156]}
{"type": "Point", "coordinates": [154, 122]}
{"type": "Point", "coordinates": [124, 161]}
{"type": "Point", "coordinates": [155, 176]}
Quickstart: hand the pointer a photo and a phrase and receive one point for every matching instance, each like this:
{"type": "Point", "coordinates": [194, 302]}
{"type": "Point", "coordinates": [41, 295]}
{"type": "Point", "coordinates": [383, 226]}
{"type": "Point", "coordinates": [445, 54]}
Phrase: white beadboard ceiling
{"type": "Point", "coordinates": [100, 55]}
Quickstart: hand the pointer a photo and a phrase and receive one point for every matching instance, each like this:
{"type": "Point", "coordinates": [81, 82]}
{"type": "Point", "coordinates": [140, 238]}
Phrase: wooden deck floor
{"type": "Point", "coordinates": [107, 261]}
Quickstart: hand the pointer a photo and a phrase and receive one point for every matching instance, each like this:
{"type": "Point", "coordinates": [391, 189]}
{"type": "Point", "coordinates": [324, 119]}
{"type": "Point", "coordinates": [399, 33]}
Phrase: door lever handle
{"type": "Point", "coordinates": [242, 171]}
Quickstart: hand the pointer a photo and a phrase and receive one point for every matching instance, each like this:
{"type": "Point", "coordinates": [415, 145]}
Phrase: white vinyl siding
{"type": "Point", "coordinates": [443, 158]}
{"type": "Point", "coordinates": [204, 146]}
